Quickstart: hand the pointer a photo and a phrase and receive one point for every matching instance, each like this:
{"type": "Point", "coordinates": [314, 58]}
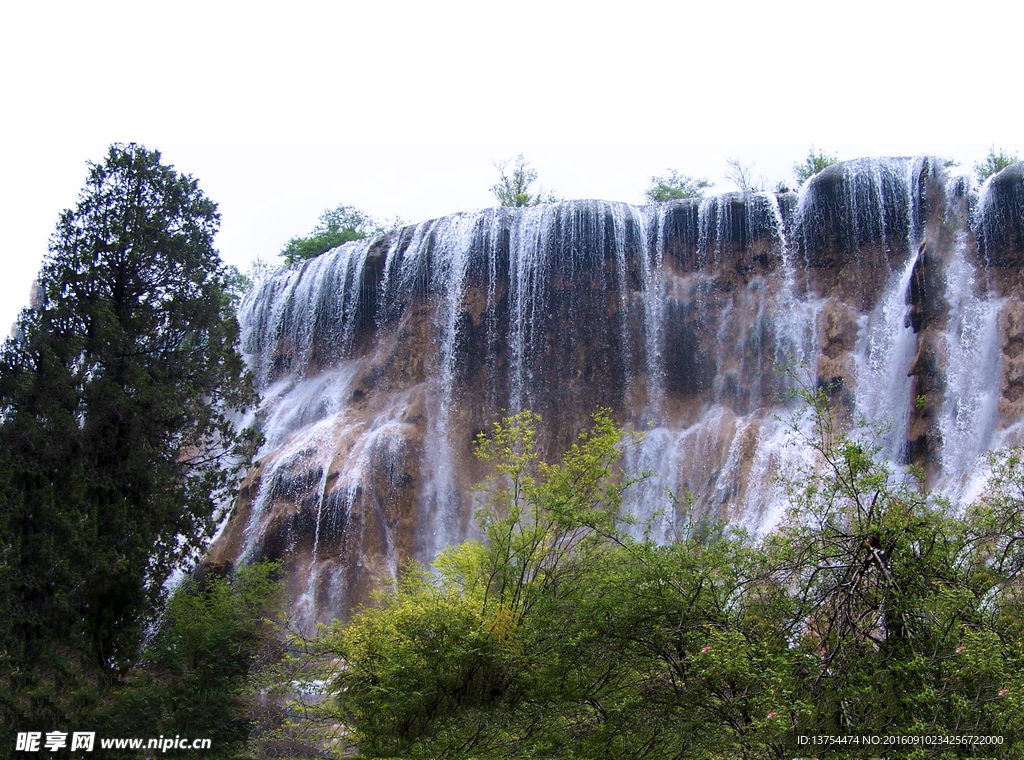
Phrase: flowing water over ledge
{"type": "Point", "coordinates": [895, 286]}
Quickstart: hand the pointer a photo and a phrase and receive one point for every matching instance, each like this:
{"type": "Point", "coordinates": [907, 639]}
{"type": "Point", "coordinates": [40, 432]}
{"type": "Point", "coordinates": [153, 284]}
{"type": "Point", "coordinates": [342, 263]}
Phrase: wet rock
{"type": "Point", "coordinates": [383, 359]}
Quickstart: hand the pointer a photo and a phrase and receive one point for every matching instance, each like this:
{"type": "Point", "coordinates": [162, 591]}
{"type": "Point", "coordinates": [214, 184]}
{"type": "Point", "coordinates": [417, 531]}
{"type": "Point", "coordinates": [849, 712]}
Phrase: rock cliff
{"type": "Point", "coordinates": [895, 286]}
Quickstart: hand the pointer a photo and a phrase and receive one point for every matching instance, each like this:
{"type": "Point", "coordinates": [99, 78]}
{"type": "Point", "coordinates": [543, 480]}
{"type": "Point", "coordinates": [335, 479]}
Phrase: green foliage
{"type": "Point", "coordinates": [117, 432]}
{"type": "Point", "coordinates": [994, 162]}
{"type": "Point", "coordinates": [193, 678]}
{"type": "Point", "coordinates": [673, 186]}
{"type": "Point", "coordinates": [870, 612]}
{"type": "Point", "coordinates": [891, 592]}
{"type": "Point", "coordinates": [558, 635]}
{"type": "Point", "coordinates": [513, 189]}
{"type": "Point", "coordinates": [441, 668]}
{"type": "Point", "coordinates": [422, 671]}
{"type": "Point", "coordinates": [336, 226]}
{"type": "Point", "coordinates": [814, 163]}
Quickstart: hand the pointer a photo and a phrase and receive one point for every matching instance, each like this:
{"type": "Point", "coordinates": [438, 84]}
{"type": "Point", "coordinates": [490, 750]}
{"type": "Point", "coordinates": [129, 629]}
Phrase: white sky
{"type": "Point", "coordinates": [399, 108]}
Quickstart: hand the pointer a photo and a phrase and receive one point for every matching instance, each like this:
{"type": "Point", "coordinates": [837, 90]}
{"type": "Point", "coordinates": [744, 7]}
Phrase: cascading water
{"type": "Point", "coordinates": [882, 210]}
{"type": "Point", "coordinates": [654, 284]}
{"type": "Point", "coordinates": [380, 361]}
{"type": "Point", "coordinates": [448, 274]}
{"type": "Point", "coordinates": [969, 412]}
{"type": "Point", "coordinates": [997, 217]}
{"type": "Point", "coordinates": [978, 329]}
{"type": "Point", "coordinates": [528, 253]}
{"type": "Point", "coordinates": [750, 338]}
{"type": "Point", "coordinates": [887, 345]}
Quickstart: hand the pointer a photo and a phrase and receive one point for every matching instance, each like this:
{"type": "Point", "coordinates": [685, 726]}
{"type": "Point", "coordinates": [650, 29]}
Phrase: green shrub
{"type": "Point", "coordinates": [193, 678]}
{"type": "Point", "coordinates": [994, 162]}
{"type": "Point", "coordinates": [674, 186]}
{"type": "Point", "coordinates": [336, 226]}
{"type": "Point", "coordinates": [814, 163]}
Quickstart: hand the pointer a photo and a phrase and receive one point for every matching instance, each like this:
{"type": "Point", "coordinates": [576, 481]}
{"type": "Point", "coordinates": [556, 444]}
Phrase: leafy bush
{"type": "Point", "coordinates": [443, 667]}
{"type": "Point", "coordinates": [893, 593]}
{"type": "Point", "coordinates": [193, 679]}
{"type": "Point", "coordinates": [336, 226]}
{"type": "Point", "coordinates": [994, 162]}
{"type": "Point", "coordinates": [513, 189]}
{"type": "Point", "coordinates": [674, 186]}
{"type": "Point", "coordinates": [814, 163]}
{"type": "Point", "coordinates": [871, 611]}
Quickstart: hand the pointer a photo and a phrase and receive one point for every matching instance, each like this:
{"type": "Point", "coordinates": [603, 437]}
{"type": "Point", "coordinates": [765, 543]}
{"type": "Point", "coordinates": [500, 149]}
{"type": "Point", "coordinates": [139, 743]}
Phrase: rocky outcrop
{"type": "Point", "coordinates": [890, 284]}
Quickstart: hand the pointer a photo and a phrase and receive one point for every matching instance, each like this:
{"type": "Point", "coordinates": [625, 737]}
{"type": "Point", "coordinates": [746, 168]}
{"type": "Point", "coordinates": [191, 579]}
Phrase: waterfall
{"type": "Point", "coordinates": [887, 346]}
{"type": "Point", "coordinates": [380, 361]}
{"type": "Point", "coordinates": [528, 265]}
{"type": "Point", "coordinates": [969, 415]}
{"type": "Point", "coordinates": [451, 244]}
{"type": "Point", "coordinates": [969, 411]}
{"type": "Point", "coordinates": [883, 208]}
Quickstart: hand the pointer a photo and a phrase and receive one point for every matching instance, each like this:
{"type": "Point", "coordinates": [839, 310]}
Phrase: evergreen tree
{"type": "Point", "coordinates": [117, 431]}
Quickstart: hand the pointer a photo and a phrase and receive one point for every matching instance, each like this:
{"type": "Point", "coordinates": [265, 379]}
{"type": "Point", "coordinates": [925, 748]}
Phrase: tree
{"type": "Point", "coordinates": [811, 165]}
{"type": "Point", "coordinates": [871, 612]}
{"type": "Point", "coordinates": [743, 176]}
{"type": "Point", "coordinates": [994, 162]}
{"type": "Point", "coordinates": [673, 186]}
{"type": "Point", "coordinates": [194, 674]}
{"type": "Point", "coordinates": [902, 609]}
{"type": "Point", "coordinates": [513, 189]}
{"type": "Point", "coordinates": [336, 226]}
{"type": "Point", "coordinates": [441, 669]}
{"type": "Point", "coordinates": [118, 438]}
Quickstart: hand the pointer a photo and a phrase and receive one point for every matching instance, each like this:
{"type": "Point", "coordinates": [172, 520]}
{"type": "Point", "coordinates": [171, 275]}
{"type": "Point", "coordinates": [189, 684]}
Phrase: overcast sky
{"type": "Point", "coordinates": [399, 108]}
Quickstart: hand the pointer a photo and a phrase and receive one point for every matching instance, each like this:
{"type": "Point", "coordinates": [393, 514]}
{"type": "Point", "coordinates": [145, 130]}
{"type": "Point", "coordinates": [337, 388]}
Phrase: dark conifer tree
{"type": "Point", "coordinates": [118, 438]}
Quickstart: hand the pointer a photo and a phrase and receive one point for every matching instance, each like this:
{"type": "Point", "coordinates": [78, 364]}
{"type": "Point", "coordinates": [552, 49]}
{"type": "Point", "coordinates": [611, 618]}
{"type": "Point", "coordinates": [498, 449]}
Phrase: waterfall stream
{"type": "Point", "coordinates": [380, 361]}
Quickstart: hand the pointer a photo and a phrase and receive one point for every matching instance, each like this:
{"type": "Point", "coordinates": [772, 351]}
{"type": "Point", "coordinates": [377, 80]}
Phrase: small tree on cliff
{"type": "Point", "coordinates": [336, 226]}
{"type": "Point", "coordinates": [117, 432]}
{"type": "Point", "coordinates": [742, 175]}
{"type": "Point", "coordinates": [513, 189]}
{"type": "Point", "coordinates": [994, 162]}
{"type": "Point", "coordinates": [674, 186]}
{"type": "Point", "coordinates": [811, 165]}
